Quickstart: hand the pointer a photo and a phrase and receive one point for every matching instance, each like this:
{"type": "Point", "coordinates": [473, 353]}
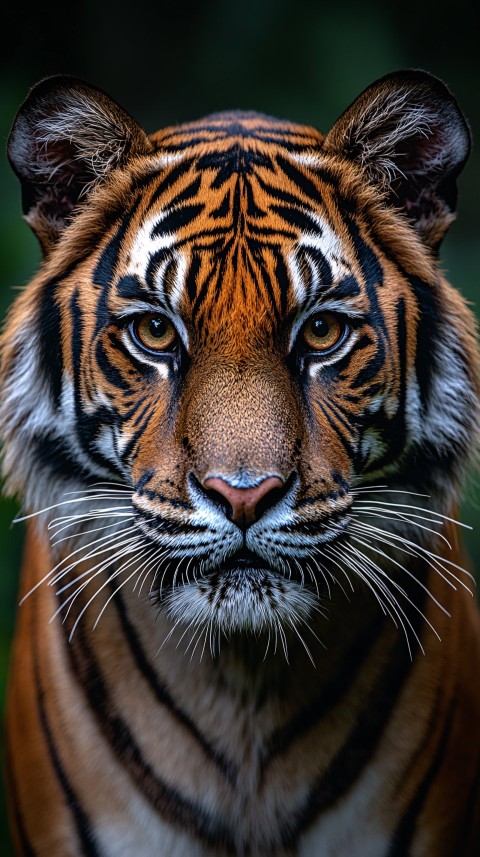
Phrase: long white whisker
{"type": "Point", "coordinates": [53, 506]}
{"type": "Point", "coordinates": [374, 572]}
{"type": "Point", "coordinates": [111, 537]}
{"type": "Point", "coordinates": [386, 515]}
{"type": "Point", "coordinates": [102, 545]}
{"type": "Point", "coordinates": [81, 533]}
{"type": "Point", "coordinates": [111, 577]}
{"type": "Point", "coordinates": [124, 547]}
{"type": "Point", "coordinates": [420, 551]}
{"type": "Point", "coordinates": [418, 509]}
{"type": "Point", "coordinates": [402, 567]}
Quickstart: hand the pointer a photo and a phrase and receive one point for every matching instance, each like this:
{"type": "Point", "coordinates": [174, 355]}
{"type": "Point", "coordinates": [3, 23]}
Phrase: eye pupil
{"type": "Point", "coordinates": [320, 327]}
{"type": "Point", "coordinates": [157, 328]}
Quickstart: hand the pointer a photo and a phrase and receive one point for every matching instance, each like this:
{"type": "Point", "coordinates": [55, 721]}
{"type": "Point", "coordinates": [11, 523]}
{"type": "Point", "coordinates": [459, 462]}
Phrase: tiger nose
{"type": "Point", "coordinates": [244, 506]}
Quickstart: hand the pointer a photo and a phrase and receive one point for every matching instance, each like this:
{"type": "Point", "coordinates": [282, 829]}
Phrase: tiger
{"type": "Point", "coordinates": [239, 402]}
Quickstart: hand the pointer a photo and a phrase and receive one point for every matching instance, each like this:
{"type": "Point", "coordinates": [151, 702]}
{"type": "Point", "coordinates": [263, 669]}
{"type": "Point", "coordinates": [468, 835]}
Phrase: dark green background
{"type": "Point", "coordinates": [292, 58]}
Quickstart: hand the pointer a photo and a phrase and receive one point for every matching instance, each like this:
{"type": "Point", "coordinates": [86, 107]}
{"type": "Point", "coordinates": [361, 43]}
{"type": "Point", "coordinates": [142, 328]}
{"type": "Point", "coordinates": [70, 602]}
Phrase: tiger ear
{"type": "Point", "coordinates": [66, 138]}
{"type": "Point", "coordinates": [410, 136]}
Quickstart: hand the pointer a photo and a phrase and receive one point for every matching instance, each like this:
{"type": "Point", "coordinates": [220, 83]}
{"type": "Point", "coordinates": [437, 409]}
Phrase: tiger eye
{"type": "Point", "coordinates": [323, 332]}
{"type": "Point", "coordinates": [154, 332]}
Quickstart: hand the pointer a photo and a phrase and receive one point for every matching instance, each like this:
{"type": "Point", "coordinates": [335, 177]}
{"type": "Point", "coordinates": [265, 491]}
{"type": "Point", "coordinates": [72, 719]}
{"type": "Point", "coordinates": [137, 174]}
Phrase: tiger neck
{"type": "Point", "coordinates": [243, 709]}
{"type": "Point", "coordinates": [271, 676]}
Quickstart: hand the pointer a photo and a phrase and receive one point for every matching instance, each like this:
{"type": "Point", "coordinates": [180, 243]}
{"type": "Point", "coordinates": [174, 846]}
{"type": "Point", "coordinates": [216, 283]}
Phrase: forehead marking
{"type": "Point", "coordinates": [145, 246]}
{"type": "Point", "coordinates": [328, 245]}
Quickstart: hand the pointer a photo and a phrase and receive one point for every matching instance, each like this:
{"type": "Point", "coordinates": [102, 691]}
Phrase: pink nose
{"type": "Point", "coordinates": [244, 502]}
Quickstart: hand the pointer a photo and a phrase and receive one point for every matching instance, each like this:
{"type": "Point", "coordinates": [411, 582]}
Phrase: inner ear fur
{"type": "Point", "coordinates": [66, 138]}
{"type": "Point", "coordinates": [410, 137]}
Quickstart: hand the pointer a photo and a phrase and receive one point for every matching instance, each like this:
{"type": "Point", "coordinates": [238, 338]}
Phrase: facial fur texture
{"type": "Point", "coordinates": [238, 229]}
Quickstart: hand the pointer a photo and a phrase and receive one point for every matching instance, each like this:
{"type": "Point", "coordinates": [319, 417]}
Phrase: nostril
{"type": "Point", "coordinates": [219, 498]}
{"type": "Point", "coordinates": [269, 499]}
{"type": "Point", "coordinates": [244, 506]}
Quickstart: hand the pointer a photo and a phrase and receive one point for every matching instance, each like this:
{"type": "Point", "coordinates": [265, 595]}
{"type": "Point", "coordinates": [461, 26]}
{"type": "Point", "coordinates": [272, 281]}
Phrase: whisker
{"type": "Point", "coordinates": [374, 572]}
{"type": "Point", "coordinates": [53, 506]}
{"type": "Point", "coordinates": [399, 518]}
{"type": "Point", "coordinates": [424, 552]}
{"type": "Point", "coordinates": [402, 567]}
{"type": "Point", "coordinates": [396, 586]}
{"type": "Point", "coordinates": [419, 509]}
{"type": "Point", "coordinates": [111, 577]}
{"type": "Point", "coordinates": [54, 541]}
{"type": "Point", "coordinates": [102, 545]}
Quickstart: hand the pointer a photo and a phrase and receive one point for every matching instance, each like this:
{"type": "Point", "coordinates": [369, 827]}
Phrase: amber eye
{"type": "Point", "coordinates": [154, 332]}
{"type": "Point", "coordinates": [324, 331]}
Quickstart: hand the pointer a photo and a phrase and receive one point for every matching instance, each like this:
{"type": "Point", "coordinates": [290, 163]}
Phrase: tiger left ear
{"type": "Point", "coordinates": [408, 133]}
{"type": "Point", "coordinates": [67, 137]}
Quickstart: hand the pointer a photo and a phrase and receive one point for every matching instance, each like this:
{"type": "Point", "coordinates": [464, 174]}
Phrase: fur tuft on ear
{"type": "Point", "coordinates": [66, 138]}
{"type": "Point", "coordinates": [409, 135]}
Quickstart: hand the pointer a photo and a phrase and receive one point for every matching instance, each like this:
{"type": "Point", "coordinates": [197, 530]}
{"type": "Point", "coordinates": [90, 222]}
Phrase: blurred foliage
{"type": "Point", "coordinates": [167, 63]}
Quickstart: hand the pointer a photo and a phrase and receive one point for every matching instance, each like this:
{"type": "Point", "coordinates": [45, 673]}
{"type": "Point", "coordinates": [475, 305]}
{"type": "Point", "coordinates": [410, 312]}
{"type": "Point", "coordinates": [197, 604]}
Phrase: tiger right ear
{"type": "Point", "coordinates": [410, 137]}
{"type": "Point", "coordinates": [66, 138]}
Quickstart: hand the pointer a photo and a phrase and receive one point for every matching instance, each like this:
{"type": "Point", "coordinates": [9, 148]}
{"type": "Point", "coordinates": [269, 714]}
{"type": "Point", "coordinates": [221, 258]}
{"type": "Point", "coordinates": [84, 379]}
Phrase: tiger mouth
{"type": "Point", "coordinates": [246, 560]}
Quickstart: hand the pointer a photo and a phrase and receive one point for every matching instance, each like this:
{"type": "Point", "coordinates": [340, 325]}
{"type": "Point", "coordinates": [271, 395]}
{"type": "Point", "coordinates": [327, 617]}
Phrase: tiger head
{"type": "Point", "coordinates": [241, 326]}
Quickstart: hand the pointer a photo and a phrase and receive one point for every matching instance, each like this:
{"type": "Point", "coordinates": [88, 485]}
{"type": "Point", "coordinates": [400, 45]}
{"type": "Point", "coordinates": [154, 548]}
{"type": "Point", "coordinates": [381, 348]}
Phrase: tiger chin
{"type": "Point", "coordinates": [239, 400]}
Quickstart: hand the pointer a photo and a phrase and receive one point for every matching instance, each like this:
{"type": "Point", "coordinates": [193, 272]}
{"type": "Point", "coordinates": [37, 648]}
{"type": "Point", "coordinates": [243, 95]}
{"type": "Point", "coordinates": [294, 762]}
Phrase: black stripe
{"type": "Point", "coordinates": [163, 526]}
{"type": "Point", "coordinates": [130, 288]}
{"type": "Point", "coordinates": [343, 363]}
{"type": "Point", "coordinates": [282, 739]}
{"type": "Point", "coordinates": [225, 765]}
{"type": "Point", "coordinates": [403, 836]}
{"type": "Point", "coordinates": [53, 452]}
{"type": "Point", "coordinates": [180, 144]}
{"type": "Point", "coordinates": [394, 429]}
{"type": "Point", "coordinates": [371, 368]}
{"type": "Point", "coordinates": [49, 327]}
{"type": "Point", "coordinates": [277, 193]}
{"type": "Point", "coordinates": [25, 844]}
{"type": "Point", "coordinates": [253, 209]}
{"type": "Point", "coordinates": [105, 268]}
{"type": "Point", "coordinates": [177, 218]}
{"type": "Point", "coordinates": [283, 281]}
{"type": "Point", "coordinates": [355, 754]}
{"type": "Point", "coordinates": [191, 279]}
{"type": "Point", "coordinates": [371, 269]}
{"type": "Point", "coordinates": [168, 179]}
{"type": "Point", "coordinates": [347, 287]}
{"type": "Point", "coordinates": [88, 425]}
{"type": "Point", "coordinates": [428, 335]}
{"type": "Point", "coordinates": [110, 372]}
{"type": "Point", "coordinates": [203, 290]}
{"type": "Point", "coordinates": [429, 324]}
{"type": "Point", "coordinates": [236, 160]}
{"type": "Point", "coordinates": [223, 209]}
{"type": "Point", "coordinates": [155, 260]}
{"type": "Point", "coordinates": [118, 345]}
{"type": "Point", "coordinates": [168, 801]}
{"type": "Point", "coordinates": [300, 218]}
{"type": "Point", "coordinates": [84, 829]}
{"type": "Point", "coordinates": [229, 124]}
{"type": "Point", "coordinates": [148, 406]}
{"type": "Point", "coordinates": [323, 269]}
{"type": "Point", "coordinates": [298, 176]}
{"type": "Point", "coordinates": [341, 435]}
{"type": "Point", "coordinates": [188, 192]}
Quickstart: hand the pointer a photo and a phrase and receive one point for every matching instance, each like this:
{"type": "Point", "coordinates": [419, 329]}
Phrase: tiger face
{"type": "Point", "coordinates": [242, 325]}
